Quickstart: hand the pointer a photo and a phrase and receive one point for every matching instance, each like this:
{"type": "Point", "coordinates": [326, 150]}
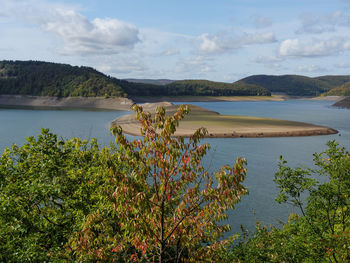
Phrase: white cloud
{"type": "Point", "coordinates": [267, 59]}
{"type": "Point", "coordinates": [221, 43]}
{"type": "Point", "coordinates": [310, 68]}
{"type": "Point", "coordinates": [194, 65]}
{"type": "Point", "coordinates": [79, 35]}
{"type": "Point", "coordinates": [342, 65]}
{"type": "Point", "coordinates": [210, 44]}
{"type": "Point", "coordinates": [250, 39]}
{"type": "Point", "coordinates": [99, 36]}
{"type": "Point", "coordinates": [313, 48]}
{"type": "Point", "coordinates": [316, 24]}
{"type": "Point", "coordinates": [170, 52]}
{"type": "Point", "coordinates": [260, 21]}
{"type": "Point", "coordinates": [122, 65]}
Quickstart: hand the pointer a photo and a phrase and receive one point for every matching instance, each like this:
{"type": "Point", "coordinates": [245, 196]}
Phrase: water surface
{"type": "Point", "coordinates": [262, 154]}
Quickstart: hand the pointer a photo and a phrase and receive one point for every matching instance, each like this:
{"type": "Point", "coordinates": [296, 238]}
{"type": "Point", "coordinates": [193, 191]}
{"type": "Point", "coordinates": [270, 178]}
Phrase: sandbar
{"type": "Point", "coordinates": [226, 126]}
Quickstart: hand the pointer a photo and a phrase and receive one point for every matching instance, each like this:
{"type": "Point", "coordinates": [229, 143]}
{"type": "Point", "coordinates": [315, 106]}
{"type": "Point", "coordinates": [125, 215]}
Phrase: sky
{"type": "Point", "coordinates": [222, 40]}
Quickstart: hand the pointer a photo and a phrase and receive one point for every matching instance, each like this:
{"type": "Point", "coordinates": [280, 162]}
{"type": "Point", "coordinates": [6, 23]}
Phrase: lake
{"type": "Point", "coordinates": [262, 154]}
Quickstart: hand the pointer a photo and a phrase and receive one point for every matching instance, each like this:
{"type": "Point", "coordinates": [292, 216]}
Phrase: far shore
{"type": "Point", "coordinates": [68, 102]}
{"type": "Point", "coordinates": [226, 126]}
{"type": "Point", "coordinates": [153, 99]}
{"type": "Point", "coordinates": [126, 103]}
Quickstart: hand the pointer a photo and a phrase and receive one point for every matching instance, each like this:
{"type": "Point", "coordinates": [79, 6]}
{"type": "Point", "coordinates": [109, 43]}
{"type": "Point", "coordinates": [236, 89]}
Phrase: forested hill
{"type": "Point", "coordinates": [342, 90]}
{"type": "Point", "coordinates": [211, 88]}
{"type": "Point", "coordinates": [296, 85]}
{"type": "Point", "coordinates": [52, 79]}
{"type": "Point", "coordinates": [62, 80]}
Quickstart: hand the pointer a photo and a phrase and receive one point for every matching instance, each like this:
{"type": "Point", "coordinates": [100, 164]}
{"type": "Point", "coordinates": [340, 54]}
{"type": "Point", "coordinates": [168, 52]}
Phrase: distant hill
{"type": "Point", "coordinates": [342, 90]}
{"type": "Point", "coordinates": [151, 81]}
{"type": "Point", "coordinates": [53, 79]}
{"type": "Point", "coordinates": [334, 80]}
{"type": "Point", "coordinates": [296, 85]}
{"type": "Point", "coordinates": [62, 80]}
{"type": "Point", "coordinates": [211, 88]}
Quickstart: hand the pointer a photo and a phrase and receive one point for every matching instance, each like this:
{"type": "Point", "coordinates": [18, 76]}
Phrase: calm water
{"type": "Point", "coordinates": [262, 153]}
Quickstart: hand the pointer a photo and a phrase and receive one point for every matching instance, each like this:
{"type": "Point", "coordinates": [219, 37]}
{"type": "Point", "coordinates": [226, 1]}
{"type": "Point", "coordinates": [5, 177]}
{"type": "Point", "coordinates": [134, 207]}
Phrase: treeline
{"type": "Point", "coordinates": [62, 80]}
{"type": "Point", "coordinates": [151, 200]}
{"type": "Point", "coordinates": [195, 88]}
{"type": "Point", "coordinates": [296, 85]}
{"type": "Point", "coordinates": [211, 88]}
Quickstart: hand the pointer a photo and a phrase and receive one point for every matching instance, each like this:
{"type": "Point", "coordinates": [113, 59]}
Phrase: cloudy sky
{"type": "Point", "coordinates": [221, 40]}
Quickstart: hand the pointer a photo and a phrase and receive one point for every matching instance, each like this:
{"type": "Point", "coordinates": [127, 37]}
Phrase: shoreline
{"type": "Point", "coordinates": [344, 103]}
{"type": "Point", "coordinates": [227, 126]}
{"type": "Point", "coordinates": [125, 103]}
{"type": "Point", "coordinates": [66, 102]}
{"type": "Point", "coordinates": [154, 99]}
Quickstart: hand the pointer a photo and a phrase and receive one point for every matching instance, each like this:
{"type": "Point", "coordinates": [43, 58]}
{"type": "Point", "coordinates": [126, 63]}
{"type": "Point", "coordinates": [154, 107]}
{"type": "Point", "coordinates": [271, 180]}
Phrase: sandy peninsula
{"type": "Point", "coordinates": [68, 102]}
{"type": "Point", "coordinates": [226, 126]}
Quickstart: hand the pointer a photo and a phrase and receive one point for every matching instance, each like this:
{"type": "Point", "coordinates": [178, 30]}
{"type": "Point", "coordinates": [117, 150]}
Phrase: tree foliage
{"type": "Point", "coordinates": [53, 79]}
{"type": "Point", "coordinates": [47, 187]}
{"type": "Point", "coordinates": [322, 232]}
{"type": "Point", "coordinates": [295, 85]}
{"type": "Point", "coordinates": [169, 207]}
{"type": "Point", "coordinates": [342, 90]}
{"type": "Point", "coordinates": [211, 88]}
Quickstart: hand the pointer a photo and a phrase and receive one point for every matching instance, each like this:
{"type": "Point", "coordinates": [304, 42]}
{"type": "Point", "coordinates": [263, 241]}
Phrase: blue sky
{"type": "Point", "coordinates": [222, 40]}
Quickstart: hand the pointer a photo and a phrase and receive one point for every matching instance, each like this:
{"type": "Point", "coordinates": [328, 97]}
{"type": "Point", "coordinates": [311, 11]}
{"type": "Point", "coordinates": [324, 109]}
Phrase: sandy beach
{"type": "Point", "coordinates": [227, 126]}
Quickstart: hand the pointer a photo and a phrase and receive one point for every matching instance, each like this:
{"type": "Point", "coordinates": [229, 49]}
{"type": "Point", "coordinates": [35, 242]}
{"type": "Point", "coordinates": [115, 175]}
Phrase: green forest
{"type": "Point", "coordinates": [61, 80]}
{"type": "Point", "coordinates": [52, 79]}
{"type": "Point", "coordinates": [296, 85]}
{"type": "Point", "coordinates": [152, 200]}
{"type": "Point", "coordinates": [342, 90]}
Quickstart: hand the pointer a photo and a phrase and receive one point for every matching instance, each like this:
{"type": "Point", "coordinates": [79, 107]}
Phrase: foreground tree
{"type": "Point", "coordinates": [322, 232]}
{"type": "Point", "coordinates": [168, 207]}
{"type": "Point", "coordinates": [47, 187]}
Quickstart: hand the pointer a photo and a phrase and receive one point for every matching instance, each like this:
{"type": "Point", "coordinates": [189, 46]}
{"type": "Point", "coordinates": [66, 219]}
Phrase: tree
{"type": "Point", "coordinates": [327, 213]}
{"type": "Point", "coordinates": [47, 187]}
{"type": "Point", "coordinates": [168, 207]}
{"type": "Point", "coordinates": [321, 232]}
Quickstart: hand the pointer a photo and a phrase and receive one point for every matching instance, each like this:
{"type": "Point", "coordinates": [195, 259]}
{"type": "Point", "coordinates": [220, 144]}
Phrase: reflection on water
{"type": "Point", "coordinates": [262, 153]}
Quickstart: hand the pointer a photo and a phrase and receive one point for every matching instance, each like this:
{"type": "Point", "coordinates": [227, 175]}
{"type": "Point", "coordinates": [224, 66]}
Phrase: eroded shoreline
{"type": "Point", "coordinates": [68, 102]}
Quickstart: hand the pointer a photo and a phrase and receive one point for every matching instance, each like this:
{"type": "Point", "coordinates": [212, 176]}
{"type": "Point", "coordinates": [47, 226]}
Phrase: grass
{"type": "Point", "coordinates": [228, 121]}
